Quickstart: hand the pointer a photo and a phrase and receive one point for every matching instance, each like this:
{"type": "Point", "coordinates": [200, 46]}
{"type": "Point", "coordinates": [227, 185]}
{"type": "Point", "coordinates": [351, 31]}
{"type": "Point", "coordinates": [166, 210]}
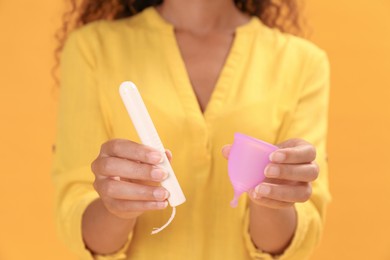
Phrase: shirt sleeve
{"type": "Point", "coordinates": [81, 130]}
{"type": "Point", "coordinates": [309, 122]}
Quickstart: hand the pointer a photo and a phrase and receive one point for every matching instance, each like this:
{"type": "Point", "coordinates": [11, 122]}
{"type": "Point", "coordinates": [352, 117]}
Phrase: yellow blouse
{"type": "Point", "coordinates": [273, 86]}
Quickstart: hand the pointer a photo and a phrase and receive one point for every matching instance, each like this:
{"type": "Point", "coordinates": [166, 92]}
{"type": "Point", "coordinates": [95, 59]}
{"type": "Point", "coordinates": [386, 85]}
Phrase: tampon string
{"type": "Point", "coordinates": [157, 230]}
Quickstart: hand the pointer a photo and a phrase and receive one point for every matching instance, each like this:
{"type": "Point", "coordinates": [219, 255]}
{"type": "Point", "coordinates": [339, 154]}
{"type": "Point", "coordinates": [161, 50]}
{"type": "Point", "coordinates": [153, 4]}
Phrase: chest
{"type": "Point", "coordinates": [177, 73]}
{"type": "Point", "coordinates": [204, 58]}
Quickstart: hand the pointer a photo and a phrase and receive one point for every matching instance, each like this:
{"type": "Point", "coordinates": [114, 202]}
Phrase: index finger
{"type": "Point", "coordinates": [130, 150]}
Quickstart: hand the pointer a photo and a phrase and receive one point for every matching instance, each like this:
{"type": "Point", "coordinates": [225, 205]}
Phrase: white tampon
{"type": "Point", "coordinates": [148, 134]}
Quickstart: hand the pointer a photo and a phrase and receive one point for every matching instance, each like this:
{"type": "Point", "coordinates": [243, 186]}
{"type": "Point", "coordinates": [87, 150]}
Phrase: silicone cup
{"type": "Point", "coordinates": [247, 160]}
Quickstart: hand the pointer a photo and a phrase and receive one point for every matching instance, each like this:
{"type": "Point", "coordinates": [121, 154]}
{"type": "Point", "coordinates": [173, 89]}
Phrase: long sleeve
{"type": "Point", "coordinates": [81, 131]}
{"type": "Point", "coordinates": [307, 121]}
{"type": "Point", "coordinates": [280, 80]}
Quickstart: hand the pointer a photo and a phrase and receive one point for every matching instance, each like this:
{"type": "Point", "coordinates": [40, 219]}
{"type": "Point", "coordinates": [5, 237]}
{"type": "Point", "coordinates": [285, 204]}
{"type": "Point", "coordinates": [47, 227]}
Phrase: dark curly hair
{"type": "Point", "coordinates": [280, 14]}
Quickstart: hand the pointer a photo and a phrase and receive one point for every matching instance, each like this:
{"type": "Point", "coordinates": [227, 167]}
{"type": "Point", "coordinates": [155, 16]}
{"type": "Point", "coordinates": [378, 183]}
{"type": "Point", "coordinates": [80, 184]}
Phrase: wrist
{"type": "Point", "coordinates": [104, 232]}
{"type": "Point", "coordinates": [272, 229]}
{"type": "Point", "coordinates": [270, 211]}
{"type": "Point", "coordinates": [108, 216]}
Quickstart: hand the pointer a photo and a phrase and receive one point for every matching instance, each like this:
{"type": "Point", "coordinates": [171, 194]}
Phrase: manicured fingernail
{"type": "Point", "coordinates": [254, 195]}
{"type": "Point", "coordinates": [277, 157]}
{"type": "Point", "coordinates": [263, 190]}
{"type": "Point", "coordinates": [160, 194]}
{"type": "Point", "coordinates": [158, 174]}
{"type": "Point", "coordinates": [155, 157]}
{"type": "Point", "coordinates": [162, 204]}
{"type": "Point", "coordinates": [169, 152]}
{"type": "Point", "coordinates": [272, 171]}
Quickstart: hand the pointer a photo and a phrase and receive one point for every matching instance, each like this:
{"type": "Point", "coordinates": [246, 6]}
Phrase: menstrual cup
{"type": "Point", "coordinates": [247, 160]}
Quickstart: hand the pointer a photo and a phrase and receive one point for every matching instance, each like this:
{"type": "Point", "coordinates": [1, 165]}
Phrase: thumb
{"type": "Point", "coordinates": [226, 150]}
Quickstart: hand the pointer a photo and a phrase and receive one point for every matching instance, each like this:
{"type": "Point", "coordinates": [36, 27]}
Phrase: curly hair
{"type": "Point", "coordinates": [280, 14]}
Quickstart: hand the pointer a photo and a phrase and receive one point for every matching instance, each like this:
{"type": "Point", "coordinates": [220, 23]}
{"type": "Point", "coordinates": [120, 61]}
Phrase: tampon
{"type": "Point", "coordinates": [148, 134]}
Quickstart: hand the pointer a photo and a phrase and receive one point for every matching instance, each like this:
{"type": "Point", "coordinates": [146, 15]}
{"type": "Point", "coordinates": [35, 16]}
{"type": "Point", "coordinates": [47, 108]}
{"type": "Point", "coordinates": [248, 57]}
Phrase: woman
{"type": "Point", "coordinates": [206, 70]}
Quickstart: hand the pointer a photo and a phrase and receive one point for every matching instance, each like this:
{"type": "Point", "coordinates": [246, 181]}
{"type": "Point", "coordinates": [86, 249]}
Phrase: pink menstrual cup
{"type": "Point", "coordinates": [247, 160]}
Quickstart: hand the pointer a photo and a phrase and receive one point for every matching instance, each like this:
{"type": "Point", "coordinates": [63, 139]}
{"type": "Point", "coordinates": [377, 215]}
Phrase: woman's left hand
{"type": "Point", "coordinates": [288, 176]}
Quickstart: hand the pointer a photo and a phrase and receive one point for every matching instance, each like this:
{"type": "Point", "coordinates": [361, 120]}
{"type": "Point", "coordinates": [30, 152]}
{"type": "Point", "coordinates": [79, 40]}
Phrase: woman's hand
{"type": "Point", "coordinates": [288, 176]}
{"type": "Point", "coordinates": [127, 178]}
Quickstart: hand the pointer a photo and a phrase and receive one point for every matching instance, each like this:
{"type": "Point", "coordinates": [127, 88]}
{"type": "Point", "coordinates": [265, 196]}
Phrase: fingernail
{"type": "Point", "coordinates": [254, 195]}
{"type": "Point", "coordinates": [160, 194]}
{"type": "Point", "coordinates": [169, 152]}
{"type": "Point", "coordinates": [277, 157]}
{"type": "Point", "coordinates": [158, 174]}
{"type": "Point", "coordinates": [162, 204]}
{"type": "Point", "coordinates": [272, 171]}
{"type": "Point", "coordinates": [224, 147]}
{"type": "Point", "coordinates": [155, 157]}
{"type": "Point", "coordinates": [263, 190]}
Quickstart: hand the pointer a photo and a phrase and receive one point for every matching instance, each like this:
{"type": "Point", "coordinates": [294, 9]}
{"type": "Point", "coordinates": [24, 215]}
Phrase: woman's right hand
{"type": "Point", "coordinates": [127, 178]}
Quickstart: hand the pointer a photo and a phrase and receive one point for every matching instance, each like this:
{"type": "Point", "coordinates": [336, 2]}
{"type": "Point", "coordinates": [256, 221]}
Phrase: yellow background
{"type": "Point", "coordinates": [356, 35]}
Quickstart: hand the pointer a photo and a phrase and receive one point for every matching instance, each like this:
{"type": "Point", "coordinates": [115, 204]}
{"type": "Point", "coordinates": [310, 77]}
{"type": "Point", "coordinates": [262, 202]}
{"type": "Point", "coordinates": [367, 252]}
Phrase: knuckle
{"type": "Point", "coordinates": [141, 154]}
{"type": "Point", "coordinates": [102, 189]}
{"type": "Point", "coordinates": [104, 165]}
{"type": "Point", "coordinates": [105, 146]}
{"type": "Point", "coordinates": [107, 165]}
{"type": "Point", "coordinates": [95, 185]}
{"type": "Point", "coordinates": [93, 166]}
{"type": "Point", "coordinates": [300, 140]}
{"type": "Point", "coordinates": [306, 194]}
{"type": "Point", "coordinates": [313, 153]}
{"type": "Point", "coordinates": [108, 188]}
{"type": "Point", "coordinates": [316, 170]}
{"type": "Point", "coordinates": [110, 191]}
{"type": "Point", "coordinates": [114, 146]}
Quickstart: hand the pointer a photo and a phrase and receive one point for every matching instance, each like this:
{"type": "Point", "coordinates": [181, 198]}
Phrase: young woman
{"type": "Point", "coordinates": [206, 69]}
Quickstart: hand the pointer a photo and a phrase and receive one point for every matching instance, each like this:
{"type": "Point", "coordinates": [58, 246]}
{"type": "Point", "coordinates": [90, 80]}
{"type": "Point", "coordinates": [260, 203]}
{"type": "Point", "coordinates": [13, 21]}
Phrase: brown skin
{"type": "Point", "coordinates": [288, 180]}
{"type": "Point", "coordinates": [204, 32]}
{"type": "Point", "coordinates": [108, 220]}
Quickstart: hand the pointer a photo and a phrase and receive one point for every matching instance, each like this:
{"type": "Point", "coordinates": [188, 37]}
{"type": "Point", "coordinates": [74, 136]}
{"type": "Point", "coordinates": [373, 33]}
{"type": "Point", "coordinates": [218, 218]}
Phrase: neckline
{"type": "Point", "coordinates": [156, 20]}
{"type": "Point", "coordinates": [227, 77]}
